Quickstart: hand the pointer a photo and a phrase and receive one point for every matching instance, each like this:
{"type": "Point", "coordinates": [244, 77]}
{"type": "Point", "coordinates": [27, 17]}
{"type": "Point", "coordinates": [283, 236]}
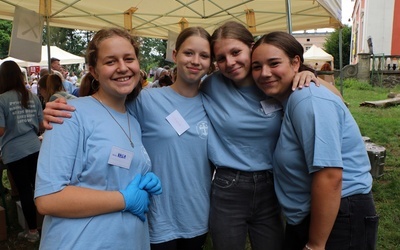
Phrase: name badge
{"type": "Point", "coordinates": [270, 105]}
{"type": "Point", "coordinates": [120, 157]}
{"type": "Point", "coordinates": [177, 122]}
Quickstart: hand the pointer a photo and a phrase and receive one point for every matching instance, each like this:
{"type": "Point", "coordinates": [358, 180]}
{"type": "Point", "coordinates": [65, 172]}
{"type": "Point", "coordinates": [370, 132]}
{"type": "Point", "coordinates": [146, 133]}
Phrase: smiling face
{"type": "Point", "coordinates": [117, 68]}
{"type": "Point", "coordinates": [193, 59]}
{"type": "Point", "coordinates": [273, 70]}
{"type": "Point", "coordinates": [233, 59]}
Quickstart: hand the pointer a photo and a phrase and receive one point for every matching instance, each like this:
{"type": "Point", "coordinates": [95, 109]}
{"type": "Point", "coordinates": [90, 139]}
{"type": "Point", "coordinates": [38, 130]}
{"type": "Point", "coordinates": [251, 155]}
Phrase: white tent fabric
{"type": "Point", "coordinates": [64, 56]}
{"type": "Point", "coordinates": [155, 18]}
{"type": "Point", "coordinates": [316, 54]}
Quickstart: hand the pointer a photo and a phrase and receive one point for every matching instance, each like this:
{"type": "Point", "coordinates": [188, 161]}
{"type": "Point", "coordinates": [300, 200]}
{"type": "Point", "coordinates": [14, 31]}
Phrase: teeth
{"type": "Point", "coordinates": [123, 79]}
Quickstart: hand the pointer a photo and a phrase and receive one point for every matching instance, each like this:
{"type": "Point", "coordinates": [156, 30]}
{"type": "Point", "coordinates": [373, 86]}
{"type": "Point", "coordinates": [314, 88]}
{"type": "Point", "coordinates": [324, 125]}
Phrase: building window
{"type": "Point", "coordinates": [308, 39]}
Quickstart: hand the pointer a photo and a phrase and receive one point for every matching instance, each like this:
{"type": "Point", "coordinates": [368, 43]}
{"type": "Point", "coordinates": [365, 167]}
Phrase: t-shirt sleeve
{"type": "Point", "coordinates": [318, 126]}
{"type": "Point", "coordinates": [58, 156]}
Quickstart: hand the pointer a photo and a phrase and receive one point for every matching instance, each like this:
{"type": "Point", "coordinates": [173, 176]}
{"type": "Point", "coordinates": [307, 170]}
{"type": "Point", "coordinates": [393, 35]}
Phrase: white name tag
{"type": "Point", "coordinates": [177, 122]}
{"type": "Point", "coordinates": [120, 157]}
{"type": "Point", "coordinates": [270, 105]}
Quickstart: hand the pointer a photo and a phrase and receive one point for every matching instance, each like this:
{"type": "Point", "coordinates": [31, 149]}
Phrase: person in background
{"type": "Point", "coordinates": [165, 80]}
{"type": "Point", "coordinates": [27, 86]}
{"type": "Point", "coordinates": [159, 73]}
{"type": "Point", "coordinates": [55, 65]}
{"type": "Point", "coordinates": [86, 87]}
{"type": "Point", "coordinates": [42, 89]}
{"type": "Point", "coordinates": [34, 87]}
{"type": "Point", "coordinates": [326, 67]}
{"type": "Point", "coordinates": [145, 82]}
{"type": "Point", "coordinates": [321, 166]}
{"type": "Point", "coordinates": [21, 120]}
{"type": "Point", "coordinates": [43, 71]}
{"type": "Point", "coordinates": [33, 76]}
{"type": "Point", "coordinates": [327, 77]}
{"type": "Point", "coordinates": [55, 88]}
{"type": "Point", "coordinates": [73, 78]}
{"type": "Point", "coordinates": [173, 74]}
{"type": "Point", "coordinates": [94, 191]}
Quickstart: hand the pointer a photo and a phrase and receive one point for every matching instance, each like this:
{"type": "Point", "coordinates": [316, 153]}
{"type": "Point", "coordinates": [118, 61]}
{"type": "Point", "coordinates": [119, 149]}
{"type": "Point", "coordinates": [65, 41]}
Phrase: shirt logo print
{"type": "Point", "coordinates": [202, 129]}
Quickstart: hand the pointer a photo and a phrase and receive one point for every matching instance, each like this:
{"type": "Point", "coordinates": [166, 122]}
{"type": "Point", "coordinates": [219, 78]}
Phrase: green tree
{"type": "Point", "coordinates": [152, 53]}
{"type": "Point", "coordinates": [331, 45]}
{"type": "Point", "coordinates": [5, 35]}
{"type": "Point", "coordinates": [73, 41]}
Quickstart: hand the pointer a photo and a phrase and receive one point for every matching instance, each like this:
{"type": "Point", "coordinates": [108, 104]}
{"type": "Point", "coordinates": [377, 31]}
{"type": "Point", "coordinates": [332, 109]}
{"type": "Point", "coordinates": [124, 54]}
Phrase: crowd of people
{"type": "Point", "coordinates": [160, 165]}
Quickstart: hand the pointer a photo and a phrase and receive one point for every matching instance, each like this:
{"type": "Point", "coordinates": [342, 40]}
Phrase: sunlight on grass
{"type": "Point", "coordinates": [382, 126]}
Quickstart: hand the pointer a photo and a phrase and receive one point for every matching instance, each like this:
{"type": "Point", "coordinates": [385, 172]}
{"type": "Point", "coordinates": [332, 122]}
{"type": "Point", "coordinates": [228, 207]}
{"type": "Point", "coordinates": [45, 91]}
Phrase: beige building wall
{"type": "Point", "coordinates": [308, 39]}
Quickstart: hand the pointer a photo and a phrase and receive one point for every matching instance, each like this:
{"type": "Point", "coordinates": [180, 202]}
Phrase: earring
{"type": "Point", "coordinates": [94, 86]}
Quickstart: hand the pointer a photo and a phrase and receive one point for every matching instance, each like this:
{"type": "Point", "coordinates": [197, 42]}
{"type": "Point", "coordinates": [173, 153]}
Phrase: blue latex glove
{"type": "Point", "coordinates": [151, 183]}
{"type": "Point", "coordinates": [136, 199]}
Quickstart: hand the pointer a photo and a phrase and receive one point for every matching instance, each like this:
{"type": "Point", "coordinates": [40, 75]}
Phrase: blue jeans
{"type": "Point", "coordinates": [356, 226]}
{"type": "Point", "coordinates": [245, 203]}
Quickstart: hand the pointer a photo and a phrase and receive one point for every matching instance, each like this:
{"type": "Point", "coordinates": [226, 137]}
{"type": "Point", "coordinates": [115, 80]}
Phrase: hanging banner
{"type": "Point", "coordinates": [172, 36]}
{"type": "Point", "coordinates": [26, 36]}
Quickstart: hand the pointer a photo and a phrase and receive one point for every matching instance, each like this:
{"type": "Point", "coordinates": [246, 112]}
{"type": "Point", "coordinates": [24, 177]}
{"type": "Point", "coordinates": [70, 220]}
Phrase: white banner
{"type": "Point", "coordinates": [172, 36]}
{"type": "Point", "coordinates": [26, 36]}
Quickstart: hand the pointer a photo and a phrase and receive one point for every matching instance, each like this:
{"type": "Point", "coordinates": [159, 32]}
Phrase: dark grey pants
{"type": "Point", "coordinates": [356, 227]}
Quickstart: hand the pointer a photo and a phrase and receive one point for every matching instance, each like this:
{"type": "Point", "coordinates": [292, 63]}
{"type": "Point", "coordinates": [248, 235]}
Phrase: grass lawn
{"type": "Point", "coordinates": [382, 125]}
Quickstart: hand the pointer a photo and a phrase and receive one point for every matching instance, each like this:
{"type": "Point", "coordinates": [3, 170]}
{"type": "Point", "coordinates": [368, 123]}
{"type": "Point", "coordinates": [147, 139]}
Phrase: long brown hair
{"type": "Point", "coordinates": [93, 50]}
{"type": "Point", "coordinates": [11, 78]}
{"type": "Point", "coordinates": [87, 87]}
{"type": "Point", "coordinates": [54, 84]}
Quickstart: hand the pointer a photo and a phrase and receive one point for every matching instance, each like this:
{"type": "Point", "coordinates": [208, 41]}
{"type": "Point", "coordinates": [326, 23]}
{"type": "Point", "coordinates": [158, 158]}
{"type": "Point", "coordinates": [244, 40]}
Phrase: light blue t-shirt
{"type": "Point", "coordinates": [77, 153]}
{"type": "Point", "coordinates": [20, 138]}
{"type": "Point", "coordinates": [63, 94]}
{"type": "Point", "coordinates": [68, 86]}
{"type": "Point", "coordinates": [318, 131]}
{"type": "Point", "coordinates": [180, 161]}
{"type": "Point", "coordinates": [244, 133]}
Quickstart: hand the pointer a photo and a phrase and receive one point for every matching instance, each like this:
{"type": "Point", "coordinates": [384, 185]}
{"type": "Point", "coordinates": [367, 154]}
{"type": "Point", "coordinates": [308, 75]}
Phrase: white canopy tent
{"type": "Point", "coordinates": [154, 18]}
{"type": "Point", "coordinates": [64, 56]}
{"type": "Point", "coordinates": [317, 55]}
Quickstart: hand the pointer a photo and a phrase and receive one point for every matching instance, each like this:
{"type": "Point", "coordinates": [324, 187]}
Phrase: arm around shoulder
{"type": "Point", "coordinates": [55, 111]}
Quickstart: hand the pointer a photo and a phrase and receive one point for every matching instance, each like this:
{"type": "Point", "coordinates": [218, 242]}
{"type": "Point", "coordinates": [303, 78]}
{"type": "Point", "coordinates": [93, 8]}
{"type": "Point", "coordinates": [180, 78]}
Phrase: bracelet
{"type": "Point", "coordinates": [307, 247]}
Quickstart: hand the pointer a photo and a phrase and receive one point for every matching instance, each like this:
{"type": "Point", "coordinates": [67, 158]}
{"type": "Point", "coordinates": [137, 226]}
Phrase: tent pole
{"type": "Point", "coordinates": [48, 43]}
{"type": "Point", "coordinates": [289, 16]}
{"type": "Point", "coordinates": [47, 11]}
{"type": "Point", "coordinates": [341, 60]}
